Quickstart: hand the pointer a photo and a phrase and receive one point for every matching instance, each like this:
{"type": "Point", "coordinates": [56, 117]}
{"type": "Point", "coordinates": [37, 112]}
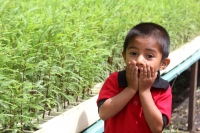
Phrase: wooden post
{"type": "Point", "coordinates": [192, 97]}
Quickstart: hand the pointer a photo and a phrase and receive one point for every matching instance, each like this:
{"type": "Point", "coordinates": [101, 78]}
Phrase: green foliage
{"type": "Point", "coordinates": [54, 51]}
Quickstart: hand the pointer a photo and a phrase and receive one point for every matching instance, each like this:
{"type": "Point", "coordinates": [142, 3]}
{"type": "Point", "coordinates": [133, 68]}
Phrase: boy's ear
{"type": "Point", "coordinates": [164, 63]}
{"type": "Point", "coordinates": [124, 55]}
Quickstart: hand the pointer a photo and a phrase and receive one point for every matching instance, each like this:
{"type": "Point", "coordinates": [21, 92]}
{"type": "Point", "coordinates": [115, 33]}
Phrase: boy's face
{"type": "Point", "coordinates": [145, 50]}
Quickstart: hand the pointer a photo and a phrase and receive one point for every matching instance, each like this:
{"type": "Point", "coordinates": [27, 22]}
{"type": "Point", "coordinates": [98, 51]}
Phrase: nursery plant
{"type": "Point", "coordinates": [53, 52]}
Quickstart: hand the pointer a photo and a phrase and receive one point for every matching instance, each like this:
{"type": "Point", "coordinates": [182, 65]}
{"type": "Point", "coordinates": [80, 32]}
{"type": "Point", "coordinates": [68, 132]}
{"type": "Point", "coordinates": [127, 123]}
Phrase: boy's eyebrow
{"type": "Point", "coordinates": [132, 47]}
{"type": "Point", "coordinates": [148, 49]}
{"type": "Point", "coordinates": [151, 49]}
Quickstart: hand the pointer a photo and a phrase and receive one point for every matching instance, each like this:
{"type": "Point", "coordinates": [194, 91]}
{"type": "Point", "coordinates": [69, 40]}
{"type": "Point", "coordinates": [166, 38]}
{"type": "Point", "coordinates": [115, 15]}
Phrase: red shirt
{"type": "Point", "coordinates": [131, 118]}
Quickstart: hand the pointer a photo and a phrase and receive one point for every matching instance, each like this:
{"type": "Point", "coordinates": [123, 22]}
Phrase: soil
{"type": "Point", "coordinates": [180, 91]}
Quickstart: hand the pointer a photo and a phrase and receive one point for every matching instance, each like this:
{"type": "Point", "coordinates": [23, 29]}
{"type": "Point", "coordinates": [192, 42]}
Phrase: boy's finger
{"type": "Point", "coordinates": [134, 63]}
{"type": "Point", "coordinates": [132, 71]}
{"type": "Point", "coordinates": [148, 72]}
{"type": "Point", "coordinates": [136, 72]}
{"type": "Point", "coordinates": [152, 71]}
{"type": "Point", "coordinates": [135, 68]}
{"type": "Point", "coordinates": [128, 69]}
{"type": "Point", "coordinates": [142, 74]}
{"type": "Point", "coordinates": [145, 72]}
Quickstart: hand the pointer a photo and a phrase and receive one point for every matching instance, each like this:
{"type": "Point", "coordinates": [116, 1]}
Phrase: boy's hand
{"type": "Point", "coordinates": [132, 75]}
{"type": "Point", "coordinates": [147, 77]}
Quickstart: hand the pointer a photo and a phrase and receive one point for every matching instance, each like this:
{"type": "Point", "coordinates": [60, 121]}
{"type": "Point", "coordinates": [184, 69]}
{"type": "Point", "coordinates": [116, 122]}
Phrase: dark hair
{"type": "Point", "coordinates": [148, 29]}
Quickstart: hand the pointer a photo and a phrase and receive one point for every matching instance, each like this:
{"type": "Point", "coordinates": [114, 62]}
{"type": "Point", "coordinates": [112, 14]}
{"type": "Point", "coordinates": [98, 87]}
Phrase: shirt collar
{"type": "Point", "coordinates": [159, 83]}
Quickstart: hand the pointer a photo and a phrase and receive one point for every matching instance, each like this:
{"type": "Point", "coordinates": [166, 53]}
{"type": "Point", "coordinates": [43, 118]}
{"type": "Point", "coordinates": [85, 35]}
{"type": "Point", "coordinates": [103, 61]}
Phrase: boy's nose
{"type": "Point", "coordinates": [140, 61]}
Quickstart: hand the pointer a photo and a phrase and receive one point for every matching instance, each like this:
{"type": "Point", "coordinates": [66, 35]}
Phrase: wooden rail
{"type": "Point", "coordinates": [192, 97]}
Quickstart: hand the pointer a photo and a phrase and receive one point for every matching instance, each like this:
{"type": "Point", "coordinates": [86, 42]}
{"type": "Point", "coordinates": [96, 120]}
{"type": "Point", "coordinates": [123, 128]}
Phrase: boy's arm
{"type": "Point", "coordinates": [115, 104]}
{"type": "Point", "coordinates": [152, 114]}
{"type": "Point", "coordinates": [150, 110]}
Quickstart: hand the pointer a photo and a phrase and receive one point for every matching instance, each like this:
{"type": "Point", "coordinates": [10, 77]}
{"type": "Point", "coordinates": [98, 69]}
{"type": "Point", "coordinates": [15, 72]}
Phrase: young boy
{"type": "Point", "coordinates": [138, 100]}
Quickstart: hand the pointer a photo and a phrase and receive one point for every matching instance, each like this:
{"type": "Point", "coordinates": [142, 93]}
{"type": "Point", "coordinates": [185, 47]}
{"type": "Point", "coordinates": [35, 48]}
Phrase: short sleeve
{"type": "Point", "coordinates": [164, 103]}
{"type": "Point", "coordinates": [110, 87]}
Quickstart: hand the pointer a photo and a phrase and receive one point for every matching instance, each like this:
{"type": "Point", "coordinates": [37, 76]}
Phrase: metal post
{"type": "Point", "coordinates": [192, 97]}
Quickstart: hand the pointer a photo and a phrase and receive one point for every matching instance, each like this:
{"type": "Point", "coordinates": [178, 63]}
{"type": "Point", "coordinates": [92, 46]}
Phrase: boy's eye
{"type": "Point", "coordinates": [133, 53]}
{"type": "Point", "coordinates": [150, 56]}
